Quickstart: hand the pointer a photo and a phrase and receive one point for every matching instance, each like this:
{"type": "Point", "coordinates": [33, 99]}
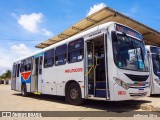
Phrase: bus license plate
{"type": "Point", "coordinates": [141, 91]}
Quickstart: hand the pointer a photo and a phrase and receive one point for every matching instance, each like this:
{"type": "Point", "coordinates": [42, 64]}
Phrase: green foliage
{"type": "Point", "coordinates": [6, 75]}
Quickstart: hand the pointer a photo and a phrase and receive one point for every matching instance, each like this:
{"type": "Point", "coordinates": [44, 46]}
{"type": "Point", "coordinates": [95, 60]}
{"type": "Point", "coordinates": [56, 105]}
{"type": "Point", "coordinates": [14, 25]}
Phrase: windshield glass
{"type": "Point", "coordinates": [129, 53]}
{"type": "Point", "coordinates": [156, 64]}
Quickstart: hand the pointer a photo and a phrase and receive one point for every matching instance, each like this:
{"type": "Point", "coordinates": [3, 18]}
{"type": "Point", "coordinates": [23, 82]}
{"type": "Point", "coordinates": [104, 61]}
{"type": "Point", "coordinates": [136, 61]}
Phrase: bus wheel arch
{"type": "Point", "coordinates": [73, 93]}
{"type": "Point", "coordinates": [24, 89]}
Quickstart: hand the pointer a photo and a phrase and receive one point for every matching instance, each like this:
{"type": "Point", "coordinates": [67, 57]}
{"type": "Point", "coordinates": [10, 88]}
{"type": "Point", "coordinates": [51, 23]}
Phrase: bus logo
{"type": "Point", "coordinates": [74, 70]}
{"type": "Point", "coordinates": [26, 77]}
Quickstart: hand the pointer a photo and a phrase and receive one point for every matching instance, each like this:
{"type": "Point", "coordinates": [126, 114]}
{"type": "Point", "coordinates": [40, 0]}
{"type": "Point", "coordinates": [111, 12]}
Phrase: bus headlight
{"type": "Point", "coordinates": [121, 83]}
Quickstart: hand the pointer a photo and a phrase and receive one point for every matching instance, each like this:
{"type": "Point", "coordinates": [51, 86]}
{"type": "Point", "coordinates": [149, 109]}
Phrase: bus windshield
{"type": "Point", "coordinates": [129, 53]}
{"type": "Point", "coordinates": [156, 64]}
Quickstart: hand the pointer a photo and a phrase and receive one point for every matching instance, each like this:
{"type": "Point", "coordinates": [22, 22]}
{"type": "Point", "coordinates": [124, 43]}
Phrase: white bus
{"type": "Point", "coordinates": [154, 62]}
{"type": "Point", "coordinates": [107, 62]}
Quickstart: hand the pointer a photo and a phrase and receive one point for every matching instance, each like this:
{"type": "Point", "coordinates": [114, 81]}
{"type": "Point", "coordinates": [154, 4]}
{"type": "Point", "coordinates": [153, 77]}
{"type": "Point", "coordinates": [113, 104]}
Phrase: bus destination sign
{"type": "Point", "coordinates": [129, 31]}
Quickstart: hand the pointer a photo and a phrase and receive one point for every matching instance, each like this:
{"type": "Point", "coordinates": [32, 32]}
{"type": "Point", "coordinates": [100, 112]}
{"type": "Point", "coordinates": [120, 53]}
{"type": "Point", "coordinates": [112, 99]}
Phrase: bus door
{"type": "Point", "coordinates": [15, 77]}
{"type": "Point", "coordinates": [95, 68]}
{"type": "Point", "coordinates": [36, 74]}
{"type": "Point", "coordinates": [40, 63]}
{"type": "Point", "coordinates": [18, 83]}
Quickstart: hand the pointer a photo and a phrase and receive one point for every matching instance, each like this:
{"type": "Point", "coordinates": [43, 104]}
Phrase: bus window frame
{"type": "Point", "coordinates": [50, 57]}
{"type": "Point", "coordinates": [64, 53]}
{"type": "Point", "coordinates": [81, 49]}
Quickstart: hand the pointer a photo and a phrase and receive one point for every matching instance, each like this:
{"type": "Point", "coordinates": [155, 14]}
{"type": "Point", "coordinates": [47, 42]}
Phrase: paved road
{"type": "Point", "coordinates": [13, 101]}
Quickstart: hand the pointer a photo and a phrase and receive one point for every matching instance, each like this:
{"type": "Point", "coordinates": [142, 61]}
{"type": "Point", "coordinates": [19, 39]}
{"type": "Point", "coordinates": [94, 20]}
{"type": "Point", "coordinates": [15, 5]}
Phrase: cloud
{"type": "Point", "coordinates": [31, 23]}
{"type": "Point", "coordinates": [5, 61]}
{"type": "Point", "coordinates": [134, 10]}
{"type": "Point", "coordinates": [96, 8]}
{"type": "Point", "coordinates": [14, 52]}
{"type": "Point", "coordinates": [21, 49]}
{"type": "Point", "coordinates": [46, 32]}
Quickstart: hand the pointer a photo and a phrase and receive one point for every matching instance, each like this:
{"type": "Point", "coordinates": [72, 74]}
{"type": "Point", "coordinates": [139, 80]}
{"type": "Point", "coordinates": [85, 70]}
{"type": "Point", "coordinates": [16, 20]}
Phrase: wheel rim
{"type": "Point", "coordinates": [74, 93]}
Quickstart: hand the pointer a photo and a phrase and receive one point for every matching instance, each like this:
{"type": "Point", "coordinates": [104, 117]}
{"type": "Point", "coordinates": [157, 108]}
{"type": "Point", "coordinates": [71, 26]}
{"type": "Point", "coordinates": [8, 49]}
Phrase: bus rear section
{"type": "Point", "coordinates": [154, 62]}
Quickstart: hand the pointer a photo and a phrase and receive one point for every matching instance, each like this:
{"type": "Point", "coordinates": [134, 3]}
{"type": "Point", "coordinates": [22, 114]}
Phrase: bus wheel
{"type": "Point", "coordinates": [24, 90]}
{"type": "Point", "coordinates": [74, 94]}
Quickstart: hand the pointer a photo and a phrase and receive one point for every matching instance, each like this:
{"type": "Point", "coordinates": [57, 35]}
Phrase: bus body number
{"type": "Point", "coordinates": [121, 92]}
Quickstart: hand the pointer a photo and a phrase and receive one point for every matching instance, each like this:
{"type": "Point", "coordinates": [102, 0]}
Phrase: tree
{"type": "Point", "coordinates": [8, 74]}
{"type": "Point", "coordinates": [2, 77]}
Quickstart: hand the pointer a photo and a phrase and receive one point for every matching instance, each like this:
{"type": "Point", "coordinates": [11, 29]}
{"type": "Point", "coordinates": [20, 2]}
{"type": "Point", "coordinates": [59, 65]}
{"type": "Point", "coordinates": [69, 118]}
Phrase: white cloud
{"type": "Point", "coordinates": [95, 8]}
{"type": "Point", "coordinates": [47, 33]}
{"type": "Point", "coordinates": [31, 23]}
{"type": "Point", "coordinates": [5, 61]}
{"type": "Point", "coordinates": [21, 49]}
{"type": "Point", "coordinates": [8, 56]}
{"type": "Point", "coordinates": [134, 10]}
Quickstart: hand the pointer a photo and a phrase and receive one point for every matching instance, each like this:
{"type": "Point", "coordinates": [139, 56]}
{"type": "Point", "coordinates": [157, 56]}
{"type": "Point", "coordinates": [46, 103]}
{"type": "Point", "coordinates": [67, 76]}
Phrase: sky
{"type": "Point", "coordinates": [25, 23]}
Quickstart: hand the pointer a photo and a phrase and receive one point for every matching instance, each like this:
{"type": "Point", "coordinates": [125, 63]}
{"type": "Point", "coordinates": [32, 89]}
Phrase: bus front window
{"type": "Point", "coordinates": [129, 53]}
{"type": "Point", "coordinates": [156, 64]}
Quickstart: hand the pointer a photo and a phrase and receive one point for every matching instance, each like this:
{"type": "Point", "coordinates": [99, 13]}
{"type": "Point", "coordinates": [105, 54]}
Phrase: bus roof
{"type": "Point", "coordinates": [104, 15]}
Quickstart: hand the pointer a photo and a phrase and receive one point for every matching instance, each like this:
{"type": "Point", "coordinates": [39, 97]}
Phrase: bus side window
{"type": "Point", "coordinates": [75, 51]}
{"type": "Point", "coordinates": [22, 68]}
{"type": "Point", "coordinates": [61, 55]}
{"type": "Point", "coordinates": [28, 64]}
{"type": "Point", "coordinates": [40, 65]}
{"type": "Point", "coordinates": [48, 58]}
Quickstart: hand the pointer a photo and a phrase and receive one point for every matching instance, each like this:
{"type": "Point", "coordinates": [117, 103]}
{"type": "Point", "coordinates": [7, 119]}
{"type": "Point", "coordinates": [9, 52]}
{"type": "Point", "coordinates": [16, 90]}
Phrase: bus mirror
{"type": "Point", "coordinates": [114, 36]}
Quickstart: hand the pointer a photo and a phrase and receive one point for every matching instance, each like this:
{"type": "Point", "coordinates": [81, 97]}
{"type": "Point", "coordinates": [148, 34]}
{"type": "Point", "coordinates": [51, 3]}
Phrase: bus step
{"type": "Point", "coordinates": [37, 93]}
{"type": "Point", "coordinates": [101, 84]}
{"type": "Point", "coordinates": [101, 93]}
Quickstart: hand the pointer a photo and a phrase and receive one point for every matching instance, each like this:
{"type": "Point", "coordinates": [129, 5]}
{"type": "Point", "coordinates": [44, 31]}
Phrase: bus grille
{"type": "Point", "coordinates": [138, 94]}
{"type": "Point", "coordinates": [138, 78]}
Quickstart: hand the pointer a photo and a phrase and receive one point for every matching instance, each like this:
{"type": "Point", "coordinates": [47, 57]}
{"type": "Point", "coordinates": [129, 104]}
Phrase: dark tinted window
{"type": "Point", "coordinates": [155, 50]}
{"type": "Point", "coordinates": [40, 64]}
{"type": "Point", "coordinates": [26, 65]}
{"type": "Point", "coordinates": [22, 66]}
{"type": "Point", "coordinates": [60, 55]}
{"type": "Point", "coordinates": [49, 58]}
{"type": "Point", "coordinates": [75, 51]}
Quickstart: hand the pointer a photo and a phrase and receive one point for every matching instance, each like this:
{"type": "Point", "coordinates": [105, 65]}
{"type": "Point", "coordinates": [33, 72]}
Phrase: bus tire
{"type": "Point", "coordinates": [24, 90]}
{"type": "Point", "coordinates": [74, 94]}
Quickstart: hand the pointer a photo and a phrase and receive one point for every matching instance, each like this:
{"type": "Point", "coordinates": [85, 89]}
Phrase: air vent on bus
{"type": "Point", "coordinates": [138, 94]}
{"type": "Point", "coordinates": [138, 78]}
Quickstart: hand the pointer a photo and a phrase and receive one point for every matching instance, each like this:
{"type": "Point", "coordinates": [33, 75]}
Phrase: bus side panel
{"type": "Point", "coordinates": [13, 84]}
{"type": "Point", "coordinates": [71, 71]}
{"type": "Point", "coordinates": [28, 87]}
{"type": "Point", "coordinates": [49, 77]}
{"type": "Point", "coordinates": [112, 70]}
